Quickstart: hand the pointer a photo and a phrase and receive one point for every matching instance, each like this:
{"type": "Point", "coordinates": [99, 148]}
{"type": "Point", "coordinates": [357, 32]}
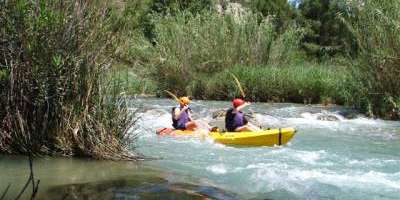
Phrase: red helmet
{"type": "Point", "coordinates": [237, 102]}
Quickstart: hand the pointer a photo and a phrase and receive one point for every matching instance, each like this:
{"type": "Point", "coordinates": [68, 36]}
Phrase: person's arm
{"type": "Point", "coordinates": [239, 108]}
{"type": "Point", "coordinates": [177, 112]}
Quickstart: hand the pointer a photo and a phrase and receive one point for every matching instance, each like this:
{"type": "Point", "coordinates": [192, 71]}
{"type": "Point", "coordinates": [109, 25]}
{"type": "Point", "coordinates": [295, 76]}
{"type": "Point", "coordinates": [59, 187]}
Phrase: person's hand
{"type": "Point", "coordinates": [247, 103]}
{"type": "Point", "coordinates": [185, 107]}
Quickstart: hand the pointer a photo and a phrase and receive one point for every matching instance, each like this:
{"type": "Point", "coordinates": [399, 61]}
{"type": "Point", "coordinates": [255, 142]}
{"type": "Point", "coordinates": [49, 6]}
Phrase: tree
{"type": "Point", "coordinates": [326, 35]}
{"type": "Point", "coordinates": [281, 10]}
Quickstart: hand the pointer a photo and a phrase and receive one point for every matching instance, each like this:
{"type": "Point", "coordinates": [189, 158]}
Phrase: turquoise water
{"type": "Point", "coordinates": [356, 158]}
{"type": "Point", "coordinates": [72, 178]}
{"type": "Point", "coordinates": [53, 172]}
{"type": "Point", "coordinates": [345, 159]}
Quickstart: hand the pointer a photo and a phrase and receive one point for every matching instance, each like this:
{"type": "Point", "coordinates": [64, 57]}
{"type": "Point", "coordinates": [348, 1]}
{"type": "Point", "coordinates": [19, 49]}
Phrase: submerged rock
{"type": "Point", "coordinates": [327, 117]}
{"type": "Point", "coordinates": [349, 114]}
{"type": "Point", "coordinates": [218, 114]}
{"type": "Point", "coordinates": [137, 188]}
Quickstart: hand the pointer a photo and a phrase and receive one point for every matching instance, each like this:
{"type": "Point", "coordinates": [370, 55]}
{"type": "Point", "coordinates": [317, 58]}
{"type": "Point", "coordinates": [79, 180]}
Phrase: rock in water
{"type": "Point", "coordinates": [327, 117]}
{"type": "Point", "coordinates": [218, 113]}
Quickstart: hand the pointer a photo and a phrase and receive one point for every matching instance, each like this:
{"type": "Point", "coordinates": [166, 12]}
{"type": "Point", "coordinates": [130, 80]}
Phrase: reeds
{"type": "Point", "coordinates": [376, 27]}
{"type": "Point", "coordinates": [56, 97]}
{"type": "Point", "coordinates": [308, 83]}
{"type": "Point", "coordinates": [188, 45]}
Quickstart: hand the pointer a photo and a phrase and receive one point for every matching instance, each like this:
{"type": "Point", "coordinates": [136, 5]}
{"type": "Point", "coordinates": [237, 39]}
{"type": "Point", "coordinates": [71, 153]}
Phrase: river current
{"type": "Point", "coordinates": [335, 154]}
{"type": "Point", "coordinates": [330, 157]}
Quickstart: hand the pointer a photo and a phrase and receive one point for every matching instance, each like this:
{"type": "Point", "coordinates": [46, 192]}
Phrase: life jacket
{"type": "Point", "coordinates": [183, 118]}
{"type": "Point", "coordinates": [234, 120]}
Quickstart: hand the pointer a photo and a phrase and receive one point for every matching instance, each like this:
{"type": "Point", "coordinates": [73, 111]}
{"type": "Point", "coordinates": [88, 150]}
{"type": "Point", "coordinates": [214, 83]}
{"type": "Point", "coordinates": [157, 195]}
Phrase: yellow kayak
{"type": "Point", "coordinates": [258, 138]}
{"type": "Point", "coordinates": [270, 137]}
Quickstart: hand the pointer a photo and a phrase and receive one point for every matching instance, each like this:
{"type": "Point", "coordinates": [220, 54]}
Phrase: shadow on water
{"type": "Point", "coordinates": [137, 187]}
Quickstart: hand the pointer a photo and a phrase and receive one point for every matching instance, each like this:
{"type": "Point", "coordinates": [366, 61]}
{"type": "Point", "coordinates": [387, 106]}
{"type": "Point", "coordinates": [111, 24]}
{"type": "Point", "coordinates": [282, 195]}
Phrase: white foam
{"type": "Point", "coordinates": [295, 180]}
{"type": "Point", "coordinates": [267, 120]}
{"type": "Point", "coordinates": [309, 157]}
{"type": "Point", "coordinates": [371, 163]}
{"type": "Point", "coordinates": [365, 121]}
{"type": "Point", "coordinates": [217, 169]}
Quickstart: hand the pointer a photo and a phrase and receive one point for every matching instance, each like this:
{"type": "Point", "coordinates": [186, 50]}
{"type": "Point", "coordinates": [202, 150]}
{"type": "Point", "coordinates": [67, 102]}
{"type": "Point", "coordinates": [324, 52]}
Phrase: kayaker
{"type": "Point", "coordinates": [181, 118]}
{"type": "Point", "coordinates": [235, 121]}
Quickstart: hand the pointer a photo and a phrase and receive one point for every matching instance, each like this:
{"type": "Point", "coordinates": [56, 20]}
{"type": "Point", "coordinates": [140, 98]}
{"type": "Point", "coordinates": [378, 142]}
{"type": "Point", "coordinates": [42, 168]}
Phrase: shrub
{"type": "Point", "coordinates": [58, 99]}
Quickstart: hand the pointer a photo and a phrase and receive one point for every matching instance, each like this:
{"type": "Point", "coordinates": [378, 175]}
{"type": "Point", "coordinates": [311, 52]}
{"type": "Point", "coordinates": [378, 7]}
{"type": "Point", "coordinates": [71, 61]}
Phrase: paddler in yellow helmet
{"type": "Point", "coordinates": [181, 118]}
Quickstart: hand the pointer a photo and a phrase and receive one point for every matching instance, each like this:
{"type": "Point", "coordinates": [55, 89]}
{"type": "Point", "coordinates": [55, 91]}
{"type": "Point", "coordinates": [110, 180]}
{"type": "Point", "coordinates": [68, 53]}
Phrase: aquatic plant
{"type": "Point", "coordinates": [56, 97]}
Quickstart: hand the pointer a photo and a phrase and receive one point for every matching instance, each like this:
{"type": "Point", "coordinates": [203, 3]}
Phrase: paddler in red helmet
{"type": "Point", "coordinates": [235, 121]}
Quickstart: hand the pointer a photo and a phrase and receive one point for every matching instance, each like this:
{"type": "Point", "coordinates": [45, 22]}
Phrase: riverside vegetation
{"type": "Point", "coordinates": [66, 66]}
{"type": "Point", "coordinates": [342, 52]}
{"type": "Point", "coordinates": [55, 95]}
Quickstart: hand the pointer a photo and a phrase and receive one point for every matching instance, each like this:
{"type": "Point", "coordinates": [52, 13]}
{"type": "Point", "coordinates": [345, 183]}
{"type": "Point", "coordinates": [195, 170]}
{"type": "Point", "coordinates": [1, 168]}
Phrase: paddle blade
{"type": "Point", "coordinates": [238, 85]}
{"type": "Point", "coordinates": [172, 95]}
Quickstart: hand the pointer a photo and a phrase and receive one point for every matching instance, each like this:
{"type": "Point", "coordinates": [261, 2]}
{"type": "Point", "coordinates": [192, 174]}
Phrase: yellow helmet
{"type": "Point", "coordinates": [184, 100]}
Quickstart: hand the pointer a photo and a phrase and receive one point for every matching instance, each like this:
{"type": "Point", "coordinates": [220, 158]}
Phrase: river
{"type": "Point", "coordinates": [330, 157]}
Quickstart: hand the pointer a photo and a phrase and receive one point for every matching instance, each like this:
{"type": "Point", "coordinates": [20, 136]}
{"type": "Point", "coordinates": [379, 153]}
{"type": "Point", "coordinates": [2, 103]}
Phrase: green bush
{"type": "Point", "coordinates": [58, 98]}
{"type": "Point", "coordinates": [294, 83]}
{"type": "Point", "coordinates": [376, 27]}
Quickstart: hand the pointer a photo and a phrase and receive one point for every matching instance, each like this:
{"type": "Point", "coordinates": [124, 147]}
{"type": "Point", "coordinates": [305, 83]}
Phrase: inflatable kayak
{"type": "Point", "coordinates": [270, 137]}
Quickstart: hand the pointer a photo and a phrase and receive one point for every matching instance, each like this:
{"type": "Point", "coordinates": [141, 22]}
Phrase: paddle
{"type": "Point", "coordinates": [238, 85]}
{"type": "Point", "coordinates": [175, 97]}
{"type": "Point", "coordinates": [172, 95]}
{"type": "Point", "coordinates": [240, 89]}
{"type": "Point", "coordinates": [201, 124]}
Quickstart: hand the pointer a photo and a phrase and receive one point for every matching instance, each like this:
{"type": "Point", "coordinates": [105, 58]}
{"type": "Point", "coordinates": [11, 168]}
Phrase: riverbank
{"type": "Point", "coordinates": [301, 82]}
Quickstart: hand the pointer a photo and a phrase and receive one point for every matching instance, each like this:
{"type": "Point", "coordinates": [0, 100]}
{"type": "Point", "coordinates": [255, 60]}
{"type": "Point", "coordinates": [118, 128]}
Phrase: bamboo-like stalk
{"type": "Point", "coordinates": [239, 86]}
{"type": "Point", "coordinates": [172, 95]}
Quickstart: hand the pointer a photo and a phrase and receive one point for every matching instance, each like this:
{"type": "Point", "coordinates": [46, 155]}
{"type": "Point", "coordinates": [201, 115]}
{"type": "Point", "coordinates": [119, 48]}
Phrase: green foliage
{"type": "Point", "coordinates": [280, 10]}
{"type": "Point", "coordinates": [58, 99]}
{"type": "Point", "coordinates": [376, 28]}
{"type": "Point", "coordinates": [3, 75]}
{"type": "Point", "coordinates": [132, 84]}
{"type": "Point", "coordinates": [188, 45]}
{"type": "Point", "coordinates": [166, 7]}
{"type": "Point", "coordinates": [306, 83]}
{"type": "Point", "coordinates": [326, 35]}
{"type": "Point", "coordinates": [170, 7]}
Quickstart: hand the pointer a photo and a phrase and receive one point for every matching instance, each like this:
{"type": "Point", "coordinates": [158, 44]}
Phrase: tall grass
{"type": "Point", "coordinates": [131, 81]}
{"type": "Point", "coordinates": [308, 83]}
{"type": "Point", "coordinates": [188, 45]}
{"type": "Point", "coordinates": [376, 26]}
{"type": "Point", "coordinates": [57, 97]}
{"type": "Point", "coordinates": [194, 55]}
